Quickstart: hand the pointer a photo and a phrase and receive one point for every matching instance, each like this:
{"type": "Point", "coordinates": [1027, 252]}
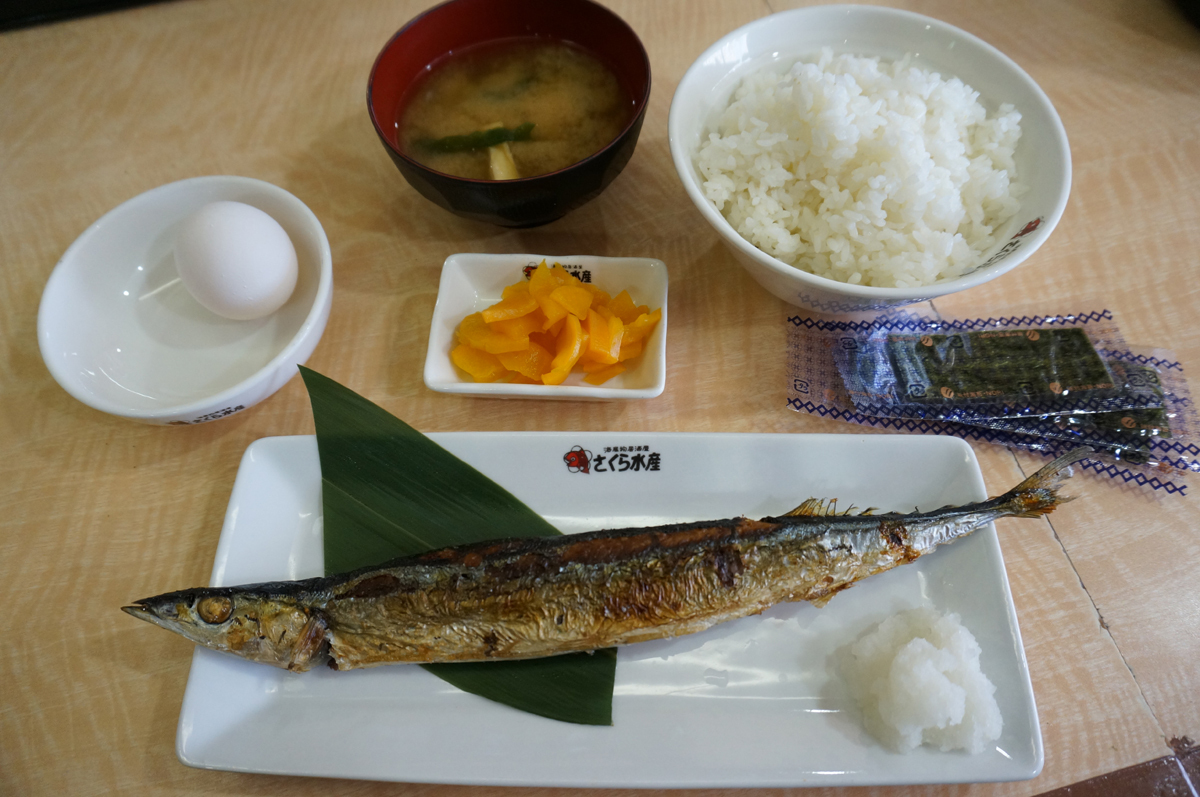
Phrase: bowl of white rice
{"type": "Point", "coordinates": [856, 158]}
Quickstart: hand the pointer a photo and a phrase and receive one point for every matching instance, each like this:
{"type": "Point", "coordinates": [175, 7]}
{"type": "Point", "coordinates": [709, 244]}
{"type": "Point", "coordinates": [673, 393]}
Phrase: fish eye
{"type": "Point", "coordinates": [214, 609]}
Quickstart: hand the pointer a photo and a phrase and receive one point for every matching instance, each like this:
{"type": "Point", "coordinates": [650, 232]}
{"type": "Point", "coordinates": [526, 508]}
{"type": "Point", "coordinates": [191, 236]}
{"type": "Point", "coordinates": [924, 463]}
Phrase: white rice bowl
{"type": "Point", "coordinates": [864, 171]}
{"type": "Point", "coordinates": [918, 681]}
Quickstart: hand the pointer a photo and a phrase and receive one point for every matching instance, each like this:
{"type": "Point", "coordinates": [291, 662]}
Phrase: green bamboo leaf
{"type": "Point", "coordinates": [576, 687]}
{"type": "Point", "coordinates": [390, 491]}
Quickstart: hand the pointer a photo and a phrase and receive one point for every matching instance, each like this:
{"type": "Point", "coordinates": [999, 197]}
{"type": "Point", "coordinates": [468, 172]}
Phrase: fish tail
{"type": "Point", "coordinates": [1038, 495]}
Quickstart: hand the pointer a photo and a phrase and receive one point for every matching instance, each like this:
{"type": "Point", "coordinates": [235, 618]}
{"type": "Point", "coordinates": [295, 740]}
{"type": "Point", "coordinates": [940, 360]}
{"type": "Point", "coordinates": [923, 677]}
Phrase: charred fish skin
{"type": "Point", "coordinates": [527, 598]}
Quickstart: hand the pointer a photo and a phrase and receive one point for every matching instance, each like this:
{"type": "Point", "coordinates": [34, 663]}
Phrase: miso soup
{"type": "Point", "coordinates": [513, 108]}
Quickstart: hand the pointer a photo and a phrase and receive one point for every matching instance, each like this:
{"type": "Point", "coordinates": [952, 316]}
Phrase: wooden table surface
{"type": "Point", "coordinates": [98, 510]}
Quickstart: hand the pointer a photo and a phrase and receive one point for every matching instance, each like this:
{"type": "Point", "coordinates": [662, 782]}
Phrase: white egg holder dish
{"type": "Point", "coordinates": [120, 332]}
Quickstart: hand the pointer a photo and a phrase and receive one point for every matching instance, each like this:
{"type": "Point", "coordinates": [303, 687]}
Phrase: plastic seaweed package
{"type": "Point", "coordinates": [985, 366]}
{"type": "Point", "coordinates": [943, 371]}
{"type": "Point", "coordinates": [1152, 442]}
{"type": "Point", "coordinates": [1157, 436]}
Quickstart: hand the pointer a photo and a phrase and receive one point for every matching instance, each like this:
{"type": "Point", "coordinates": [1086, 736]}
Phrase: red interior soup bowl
{"type": "Point", "coordinates": [411, 60]}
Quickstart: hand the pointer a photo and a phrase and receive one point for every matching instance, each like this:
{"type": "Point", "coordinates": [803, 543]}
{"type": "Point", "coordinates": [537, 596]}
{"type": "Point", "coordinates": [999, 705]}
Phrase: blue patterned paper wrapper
{"type": "Point", "coordinates": [1146, 437]}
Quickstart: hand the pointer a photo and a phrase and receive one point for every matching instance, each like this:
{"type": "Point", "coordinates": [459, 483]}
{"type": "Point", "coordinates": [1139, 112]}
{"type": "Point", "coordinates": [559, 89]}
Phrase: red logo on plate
{"type": "Point", "coordinates": [613, 459]}
{"type": "Point", "coordinates": [577, 459]}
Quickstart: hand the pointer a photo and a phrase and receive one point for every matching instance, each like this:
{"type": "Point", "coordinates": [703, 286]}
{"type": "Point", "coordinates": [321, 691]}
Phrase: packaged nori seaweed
{"type": "Point", "coordinates": [1152, 444]}
{"type": "Point", "coordinates": [1137, 436]}
{"type": "Point", "coordinates": [975, 375]}
{"type": "Point", "coordinates": [993, 366]}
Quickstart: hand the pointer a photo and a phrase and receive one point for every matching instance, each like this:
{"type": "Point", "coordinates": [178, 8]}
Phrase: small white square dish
{"type": "Point", "coordinates": [472, 282]}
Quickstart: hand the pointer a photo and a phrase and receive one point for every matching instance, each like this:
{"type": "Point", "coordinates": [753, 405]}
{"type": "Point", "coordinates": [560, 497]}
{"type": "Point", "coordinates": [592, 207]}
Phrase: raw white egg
{"type": "Point", "coordinates": [236, 260]}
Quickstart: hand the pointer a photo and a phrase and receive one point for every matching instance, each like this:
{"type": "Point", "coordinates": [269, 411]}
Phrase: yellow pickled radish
{"type": "Point", "coordinates": [543, 281]}
{"type": "Point", "coordinates": [531, 362]}
{"type": "Point", "coordinates": [551, 324]}
{"type": "Point", "coordinates": [515, 306]}
{"type": "Point", "coordinates": [642, 326]}
{"type": "Point", "coordinates": [515, 289]}
{"type": "Point", "coordinates": [571, 342]}
{"type": "Point", "coordinates": [598, 296]}
{"type": "Point", "coordinates": [474, 331]}
{"type": "Point", "coordinates": [520, 327]}
{"type": "Point", "coordinates": [604, 336]}
{"type": "Point", "coordinates": [629, 351]}
{"type": "Point", "coordinates": [602, 376]}
{"type": "Point", "coordinates": [482, 367]}
{"type": "Point", "coordinates": [576, 298]}
{"type": "Point", "coordinates": [590, 366]}
{"type": "Point", "coordinates": [547, 340]}
{"type": "Point", "coordinates": [622, 306]}
{"type": "Point", "coordinates": [553, 311]}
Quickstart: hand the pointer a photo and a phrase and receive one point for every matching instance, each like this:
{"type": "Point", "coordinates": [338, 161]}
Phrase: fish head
{"type": "Point", "coordinates": [254, 624]}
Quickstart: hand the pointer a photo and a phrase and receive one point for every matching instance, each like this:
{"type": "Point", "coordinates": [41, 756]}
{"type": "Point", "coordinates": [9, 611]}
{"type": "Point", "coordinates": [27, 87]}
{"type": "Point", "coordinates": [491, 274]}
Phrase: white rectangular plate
{"type": "Point", "coordinates": [753, 702]}
{"type": "Point", "coordinates": [471, 283]}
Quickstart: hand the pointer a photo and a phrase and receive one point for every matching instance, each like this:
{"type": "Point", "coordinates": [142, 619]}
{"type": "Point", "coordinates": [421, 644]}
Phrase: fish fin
{"type": "Point", "coordinates": [824, 507]}
{"type": "Point", "coordinates": [1038, 495]}
{"type": "Point", "coordinates": [312, 647]}
{"type": "Point", "coordinates": [812, 507]}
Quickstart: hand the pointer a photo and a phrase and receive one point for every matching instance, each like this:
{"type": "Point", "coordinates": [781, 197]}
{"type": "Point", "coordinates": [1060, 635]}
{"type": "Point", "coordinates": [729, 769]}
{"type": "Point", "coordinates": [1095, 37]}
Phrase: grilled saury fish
{"type": "Point", "coordinates": [525, 598]}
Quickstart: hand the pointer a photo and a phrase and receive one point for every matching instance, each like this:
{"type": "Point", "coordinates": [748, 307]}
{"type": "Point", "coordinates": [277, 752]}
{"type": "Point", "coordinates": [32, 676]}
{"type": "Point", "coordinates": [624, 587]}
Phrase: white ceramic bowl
{"type": "Point", "coordinates": [119, 332]}
{"type": "Point", "coordinates": [471, 283]}
{"type": "Point", "coordinates": [1043, 158]}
